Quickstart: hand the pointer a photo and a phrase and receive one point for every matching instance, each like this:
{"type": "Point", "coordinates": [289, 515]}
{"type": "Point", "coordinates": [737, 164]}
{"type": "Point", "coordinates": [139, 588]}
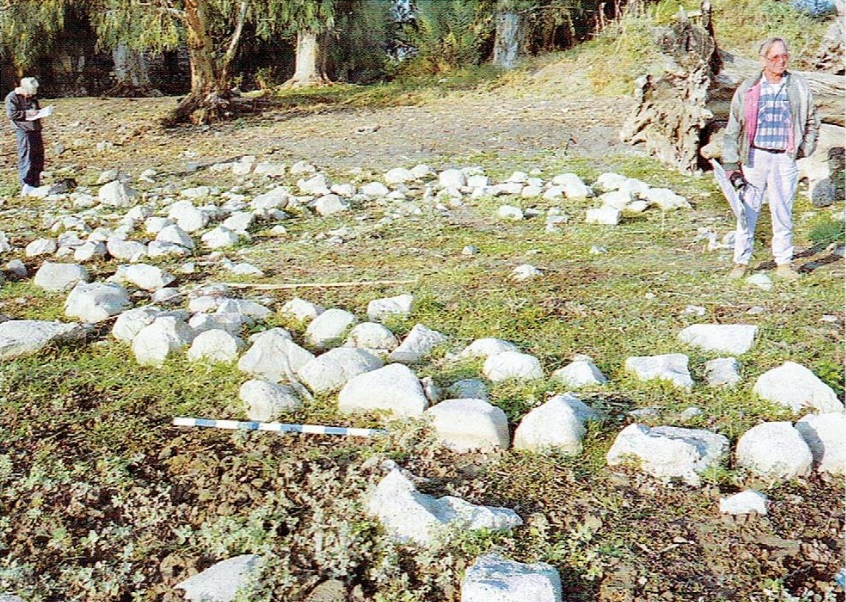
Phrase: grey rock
{"type": "Point", "coordinates": [512, 365]}
{"type": "Point", "coordinates": [19, 338]}
{"type": "Point", "coordinates": [369, 335]}
{"type": "Point", "coordinates": [581, 372]}
{"type": "Point", "coordinates": [126, 250]}
{"type": "Point", "coordinates": [774, 450]}
{"type": "Point", "coordinates": [155, 342]}
{"type": "Point", "coordinates": [735, 339]}
{"type": "Point", "coordinates": [57, 277]}
{"type": "Point", "coordinates": [301, 310]}
{"type": "Point", "coordinates": [493, 578]}
{"type": "Point", "coordinates": [267, 401]}
{"type": "Point", "coordinates": [41, 246]}
{"type": "Point", "coordinates": [470, 424]}
{"type": "Point", "coordinates": [329, 327]}
{"type": "Point", "coordinates": [274, 356]}
{"type": "Point", "coordinates": [469, 388]}
{"type": "Point", "coordinates": [392, 388]}
{"type": "Point", "coordinates": [418, 344]}
{"type": "Point", "coordinates": [399, 306]}
{"type": "Point", "coordinates": [722, 372]}
{"type": "Point", "coordinates": [825, 435]}
{"type": "Point", "coordinates": [794, 386]}
{"type": "Point", "coordinates": [96, 302]}
{"type": "Point", "coordinates": [556, 425]}
{"type": "Point", "coordinates": [215, 346]}
{"type": "Point", "coordinates": [332, 370]}
{"type": "Point", "coordinates": [670, 367]}
{"type": "Point", "coordinates": [148, 277]}
{"type": "Point", "coordinates": [222, 581]}
{"type": "Point", "coordinates": [745, 502]}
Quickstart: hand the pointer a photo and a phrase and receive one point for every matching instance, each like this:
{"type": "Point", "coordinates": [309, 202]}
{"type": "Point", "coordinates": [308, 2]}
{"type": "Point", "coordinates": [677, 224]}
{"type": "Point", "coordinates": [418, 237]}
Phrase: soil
{"type": "Point", "coordinates": [654, 542]}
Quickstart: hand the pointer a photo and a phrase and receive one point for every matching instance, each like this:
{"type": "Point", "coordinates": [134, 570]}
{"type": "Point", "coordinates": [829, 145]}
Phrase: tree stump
{"type": "Point", "coordinates": [671, 108]}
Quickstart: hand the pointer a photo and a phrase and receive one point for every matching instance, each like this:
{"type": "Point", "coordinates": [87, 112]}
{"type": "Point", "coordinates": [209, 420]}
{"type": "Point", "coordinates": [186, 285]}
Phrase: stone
{"type": "Point", "coordinates": [375, 190]}
{"type": "Point", "coordinates": [244, 307]}
{"type": "Point", "coordinates": [399, 306]}
{"type": "Point", "coordinates": [332, 370]}
{"type": "Point", "coordinates": [581, 372]}
{"type": "Point", "coordinates": [794, 386]}
{"type": "Point", "coordinates": [665, 199]}
{"type": "Point", "coordinates": [512, 365]}
{"type": "Point", "coordinates": [239, 221]}
{"type": "Point", "coordinates": [722, 372]}
{"type": "Point", "coordinates": [220, 238]}
{"type": "Point", "coordinates": [572, 186]}
{"type": "Point", "coordinates": [617, 199]}
{"type": "Point", "coordinates": [267, 401]}
{"type": "Point", "coordinates": [41, 246]}
{"type": "Point", "coordinates": [19, 338]}
{"type": "Point", "coordinates": [486, 347]}
{"type": "Point", "coordinates": [774, 450]}
{"type": "Point", "coordinates": [278, 198]}
{"type": "Point", "coordinates": [735, 339]}
{"type": "Point", "coordinates": [330, 204]}
{"type": "Point", "coordinates": [410, 516]}
{"type": "Point", "coordinates": [126, 250]}
{"type": "Point", "coordinates": [668, 452]}
{"type": "Point", "coordinates": [117, 194]}
{"type": "Point", "coordinates": [604, 215]}
{"type": "Point", "coordinates": [176, 235]}
{"type": "Point", "coordinates": [130, 322]}
{"type": "Point", "coordinates": [525, 272]}
{"type": "Point", "coordinates": [17, 268]}
{"type": "Point", "coordinates": [317, 184]}
{"type": "Point", "coordinates": [825, 435]}
{"type": "Point", "coordinates": [158, 248]}
{"type": "Point", "coordinates": [58, 277]}
{"type": "Point", "coordinates": [273, 356]}
{"type": "Point", "coordinates": [155, 342]}
{"type": "Point", "coordinates": [745, 502]}
{"type": "Point", "coordinates": [373, 336]}
{"type": "Point", "coordinates": [493, 578]}
{"type": "Point", "coordinates": [301, 310]}
{"type": "Point", "coordinates": [470, 424]}
{"type": "Point", "coordinates": [96, 302]}
{"type": "Point", "coordinates": [269, 169]}
{"type": "Point", "coordinates": [557, 425]}
{"type": "Point", "coordinates": [187, 216]}
{"type": "Point", "coordinates": [228, 321]}
{"type": "Point", "coordinates": [329, 328]}
{"type": "Point", "coordinates": [671, 367]}
{"type": "Point", "coordinates": [509, 212]}
{"type": "Point", "coordinates": [148, 277]}
{"type": "Point", "coordinates": [197, 192]}
{"type": "Point", "coordinates": [90, 251]}
{"type": "Point", "coordinates": [393, 388]}
{"type": "Point", "coordinates": [215, 346]}
{"type": "Point", "coordinates": [418, 344]}
{"type": "Point", "coordinates": [468, 388]}
{"type": "Point", "coordinates": [762, 281]}
{"type": "Point", "coordinates": [222, 581]}
{"type": "Point", "coordinates": [452, 178]}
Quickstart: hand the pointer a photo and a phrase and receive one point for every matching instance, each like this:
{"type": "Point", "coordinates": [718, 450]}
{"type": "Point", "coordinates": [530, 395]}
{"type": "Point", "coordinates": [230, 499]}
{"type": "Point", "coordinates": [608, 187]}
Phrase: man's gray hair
{"type": "Point", "coordinates": [769, 43]}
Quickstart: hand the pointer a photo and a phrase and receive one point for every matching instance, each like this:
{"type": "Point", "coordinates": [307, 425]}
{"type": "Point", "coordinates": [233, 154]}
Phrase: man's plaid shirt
{"type": "Point", "coordinates": [773, 128]}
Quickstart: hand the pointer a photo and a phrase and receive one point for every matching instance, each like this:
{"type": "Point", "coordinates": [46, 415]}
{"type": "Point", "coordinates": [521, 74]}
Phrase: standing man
{"type": "Point", "coordinates": [772, 123]}
{"type": "Point", "coordinates": [22, 109]}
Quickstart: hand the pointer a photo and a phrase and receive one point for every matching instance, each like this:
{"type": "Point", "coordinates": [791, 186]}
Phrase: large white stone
{"type": "Point", "coordinates": [665, 199]}
{"type": "Point", "coordinates": [220, 237]}
{"type": "Point", "coordinates": [722, 372]}
{"type": "Point", "coordinates": [90, 251]}
{"type": "Point", "coordinates": [399, 175]}
{"type": "Point", "coordinates": [41, 246]}
{"type": "Point", "coordinates": [187, 216]}
{"type": "Point", "coordinates": [330, 204]}
{"type": "Point", "coordinates": [410, 516]}
{"type": "Point", "coordinates": [329, 327]}
{"type": "Point", "coordinates": [493, 578]}
{"type": "Point", "coordinates": [369, 335]}
{"type": "Point", "coordinates": [176, 235]}
{"type": "Point", "coordinates": [332, 370]}
{"type": "Point", "coordinates": [399, 306]}
{"type": "Point", "coordinates": [317, 184]}
{"type": "Point", "coordinates": [825, 435]}
{"type": "Point", "coordinates": [774, 450]}
{"type": "Point", "coordinates": [25, 337]}
{"type": "Point", "coordinates": [148, 277]}
{"type": "Point", "coordinates": [154, 343]}
{"type": "Point", "coordinates": [301, 309]}
{"type": "Point", "coordinates": [796, 387]}
{"type": "Point", "coordinates": [581, 372]}
{"type": "Point", "coordinates": [159, 248]}
{"type": "Point", "coordinates": [512, 365]}
{"type": "Point", "coordinates": [393, 388]}
{"type": "Point", "coordinates": [668, 452]}
{"type": "Point", "coordinates": [244, 307]}
{"type": "Point", "coordinates": [221, 582]}
{"type": "Point", "coordinates": [239, 221]}
{"type": "Point", "coordinates": [745, 502]}
{"type": "Point", "coordinates": [130, 322]}
{"type": "Point", "coordinates": [267, 401]}
{"type": "Point", "coordinates": [605, 215]}
{"type": "Point", "coordinates": [617, 199]}
{"type": "Point", "coordinates": [215, 346]}
{"type": "Point", "coordinates": [468, 424]}
{"type": "Point", "coordinates": [671, 367]}
{"type": "Point", "coordinates": [556, 425]}
{"type": "Point", "coordinates": [452, 178]}
{"type": "Point", "coordinates": [487, 347]}
{"type": "Point", "coordinates": [57, 277]}
{"type": "Point", "coordinates": [277, 198]}
{"type": "Point", "coordinates": [572, 186]}
{"type": "Point", "coordinates": [228, 321]}
{"type": "Point", "coordinates": [735, 339]}
{"type": "Point", "coordinates": [418, 344]}
{"type": "Point", "coordinates": [96, 302]}
{"type": "Point", "coordinates": [274, 356]}
{"type": "Point", "coordinates": [117, 194]}
{"type": "Point", "coordinates": [126, 250]}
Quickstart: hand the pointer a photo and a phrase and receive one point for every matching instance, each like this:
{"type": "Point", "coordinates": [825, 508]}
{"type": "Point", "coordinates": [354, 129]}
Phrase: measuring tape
{"type": "Point", "coordinates": [278, 427]}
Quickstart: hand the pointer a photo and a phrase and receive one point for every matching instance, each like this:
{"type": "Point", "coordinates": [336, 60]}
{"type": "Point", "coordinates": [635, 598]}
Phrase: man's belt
{"type": "Point", "coordinates": [775, 151]}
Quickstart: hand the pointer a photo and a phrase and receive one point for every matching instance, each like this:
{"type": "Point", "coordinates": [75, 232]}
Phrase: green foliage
{"type": "Point", "coordinates": [28, 29]}
{"type": "Point", "coordinates": [447, 34]}
{"type": "Point", "coordinates": [827, 230]}
{"type": "Point", "coordinates": [135, 24]}
{"type": "Point", "coordinates": [287, 17]}
{"type": "Point", "coordinates": [362, 32]}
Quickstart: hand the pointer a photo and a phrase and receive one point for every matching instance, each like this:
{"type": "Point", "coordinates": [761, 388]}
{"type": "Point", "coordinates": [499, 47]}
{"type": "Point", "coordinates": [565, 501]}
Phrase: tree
{"type": "Point", "coordinates": [446, 34]}
{"type": "Point", "coordinates": [28, 29]}
{"type": "Point", "coordinates": [309, 21]}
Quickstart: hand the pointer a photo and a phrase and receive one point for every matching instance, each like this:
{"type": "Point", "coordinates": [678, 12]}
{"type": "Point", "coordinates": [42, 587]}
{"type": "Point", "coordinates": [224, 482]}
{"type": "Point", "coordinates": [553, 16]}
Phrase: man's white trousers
{"type": "Point", "coordinates": [772, 176]}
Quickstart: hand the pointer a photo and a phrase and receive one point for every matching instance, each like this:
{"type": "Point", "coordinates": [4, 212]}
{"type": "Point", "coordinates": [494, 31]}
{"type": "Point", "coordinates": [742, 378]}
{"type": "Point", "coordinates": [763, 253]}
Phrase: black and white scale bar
{"type": "Point", "coordinates": [278, 427]}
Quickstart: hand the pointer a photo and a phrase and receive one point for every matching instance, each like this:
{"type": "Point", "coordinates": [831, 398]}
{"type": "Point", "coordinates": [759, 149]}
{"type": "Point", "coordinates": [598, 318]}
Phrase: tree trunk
{"type": "Point", "coordinates": [209, 97]}
{"type": "Point", "coordinates": [508, 40]}
{"type": "Point", "coordinates": [671, 111]}
{"type": "Point", "coordinates": [131, 74]}
{"type": "Point", "coordinates": [309, 69]}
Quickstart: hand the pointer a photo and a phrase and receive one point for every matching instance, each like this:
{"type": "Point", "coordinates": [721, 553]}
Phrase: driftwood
{"type": "Point", "coordinates": [829, 90]}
